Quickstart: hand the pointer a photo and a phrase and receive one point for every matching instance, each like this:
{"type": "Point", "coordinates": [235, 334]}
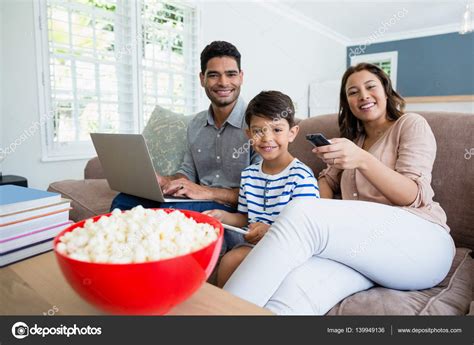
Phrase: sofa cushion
{"type": "Point", "coordinates": [452, 296]}
{"type": "Point", "coordinates": [93, 169]}
{"type": "Point", "coordinates": [165, 135]}
{"type": "Point", "coordinates": [89, 197]}
{"type": "Point", "coordinates": [301, 148]}
{"type": "Point", "coordinates": [453, 133]}
{"type": "Point", "coordinates": [452, 179]}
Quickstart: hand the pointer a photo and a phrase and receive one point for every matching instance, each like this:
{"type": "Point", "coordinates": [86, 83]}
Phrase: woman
{"type": "Point", "coordinates": [387, 230]}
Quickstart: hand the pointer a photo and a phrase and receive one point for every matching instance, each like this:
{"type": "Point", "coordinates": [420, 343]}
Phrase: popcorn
{"type": "Point", "coordinates": [135, 236]}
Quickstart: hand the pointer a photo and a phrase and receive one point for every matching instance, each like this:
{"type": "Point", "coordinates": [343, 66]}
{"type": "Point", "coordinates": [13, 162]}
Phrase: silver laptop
{"type": "Point", "coordinates": [128, 167]}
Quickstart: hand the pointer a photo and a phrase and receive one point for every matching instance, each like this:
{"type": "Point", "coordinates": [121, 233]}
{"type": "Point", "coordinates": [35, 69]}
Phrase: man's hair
{"type": "Point", "coordinates": [271, 105]}
{"type": "Point", "coordinates": [219, 49]}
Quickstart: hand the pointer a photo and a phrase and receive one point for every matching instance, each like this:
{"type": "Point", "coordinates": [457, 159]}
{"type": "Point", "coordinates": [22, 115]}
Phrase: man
{"type": "Point", "coordinates": [211, 168]}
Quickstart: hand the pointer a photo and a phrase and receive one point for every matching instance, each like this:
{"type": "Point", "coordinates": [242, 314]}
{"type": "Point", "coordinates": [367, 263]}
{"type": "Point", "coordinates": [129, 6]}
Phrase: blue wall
{"type": "Point", "coordinates": [438, 65]}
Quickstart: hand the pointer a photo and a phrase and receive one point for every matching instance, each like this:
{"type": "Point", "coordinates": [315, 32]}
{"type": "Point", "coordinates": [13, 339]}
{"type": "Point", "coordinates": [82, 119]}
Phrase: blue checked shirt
{"type": "Point", "coordinates": [215, 157]}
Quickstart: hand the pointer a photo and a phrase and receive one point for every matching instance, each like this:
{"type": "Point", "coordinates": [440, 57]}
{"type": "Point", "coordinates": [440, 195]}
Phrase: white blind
{"type": "Point", "coordinates": [169, 70]}
{"type": "Point", "coordinates": [107, 63]}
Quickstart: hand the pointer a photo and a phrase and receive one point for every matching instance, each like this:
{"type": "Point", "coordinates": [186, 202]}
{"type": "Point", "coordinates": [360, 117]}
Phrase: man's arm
{"type": "Point", "coordinates": [184, 187]}
{"type": "Point", "coordinates": [225, 195]}
{"type": "Point", "coordinates": [188, 168]}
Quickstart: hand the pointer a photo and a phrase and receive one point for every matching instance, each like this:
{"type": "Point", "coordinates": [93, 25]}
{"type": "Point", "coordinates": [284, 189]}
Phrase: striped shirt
{"type": "Point", "coordinates": [264, 196]}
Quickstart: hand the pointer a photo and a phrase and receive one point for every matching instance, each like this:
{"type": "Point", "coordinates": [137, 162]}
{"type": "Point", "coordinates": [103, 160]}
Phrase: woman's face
{"type": "Point", "coordinates": [366, 96]}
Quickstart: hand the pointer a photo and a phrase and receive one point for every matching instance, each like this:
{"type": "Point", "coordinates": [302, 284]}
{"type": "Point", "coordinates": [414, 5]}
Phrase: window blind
{"type": "Point", "coordinates": [107, 63]}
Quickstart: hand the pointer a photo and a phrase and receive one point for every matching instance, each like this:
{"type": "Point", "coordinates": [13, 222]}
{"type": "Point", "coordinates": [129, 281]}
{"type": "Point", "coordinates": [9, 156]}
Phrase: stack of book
{"type": "Point", "coordinates": [29, 221]}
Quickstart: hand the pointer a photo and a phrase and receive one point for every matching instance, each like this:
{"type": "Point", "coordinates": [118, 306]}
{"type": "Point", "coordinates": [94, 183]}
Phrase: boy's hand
{"type": "Point", "coordinates": [217, 214]}
{"type": "Point", "coordinates": [256, 232]}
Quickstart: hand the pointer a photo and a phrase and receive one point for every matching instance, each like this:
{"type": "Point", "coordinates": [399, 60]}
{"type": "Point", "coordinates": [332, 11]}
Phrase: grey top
{"type": "Point", "coordinates": [216, 156]}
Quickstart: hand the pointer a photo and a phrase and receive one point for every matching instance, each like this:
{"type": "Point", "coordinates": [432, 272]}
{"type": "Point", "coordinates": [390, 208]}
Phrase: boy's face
{"type": "Point", "coordinates": [270, 137]}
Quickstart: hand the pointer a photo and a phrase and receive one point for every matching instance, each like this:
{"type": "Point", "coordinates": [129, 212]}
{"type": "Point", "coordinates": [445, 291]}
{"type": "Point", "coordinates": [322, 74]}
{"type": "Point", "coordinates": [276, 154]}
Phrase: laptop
{"type": "Point", "coordinates": [128, 168]}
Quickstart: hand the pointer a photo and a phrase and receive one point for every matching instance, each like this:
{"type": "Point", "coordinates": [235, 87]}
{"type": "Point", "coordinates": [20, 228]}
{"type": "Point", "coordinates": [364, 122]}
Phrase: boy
{"type": "Point", "coordinates": [266, 187]}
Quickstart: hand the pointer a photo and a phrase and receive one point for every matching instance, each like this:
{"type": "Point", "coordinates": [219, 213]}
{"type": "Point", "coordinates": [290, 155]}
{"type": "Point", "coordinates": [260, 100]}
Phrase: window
{"type": "Point", "coordinates": [105, 64]}
{"type": "Point", "coordinates": [386, 61]}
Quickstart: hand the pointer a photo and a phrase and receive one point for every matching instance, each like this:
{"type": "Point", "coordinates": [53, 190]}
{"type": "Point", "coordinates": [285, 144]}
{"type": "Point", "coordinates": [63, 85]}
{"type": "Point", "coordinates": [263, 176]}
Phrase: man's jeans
{"type": "Point", "coordinates": [126, 202]}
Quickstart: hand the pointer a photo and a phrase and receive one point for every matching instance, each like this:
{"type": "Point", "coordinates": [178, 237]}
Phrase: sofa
{"type": "Point", "coordinates": [452, 182]}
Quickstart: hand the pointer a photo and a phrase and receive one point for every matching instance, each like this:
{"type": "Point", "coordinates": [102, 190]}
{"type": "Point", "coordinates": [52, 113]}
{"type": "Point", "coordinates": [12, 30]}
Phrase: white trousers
{"type": "Point", "coordinates": [320, 251]}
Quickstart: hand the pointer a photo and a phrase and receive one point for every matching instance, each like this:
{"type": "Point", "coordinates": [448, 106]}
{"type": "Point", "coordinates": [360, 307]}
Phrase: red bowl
{"type": "Point", "coordinates": [152, 287]}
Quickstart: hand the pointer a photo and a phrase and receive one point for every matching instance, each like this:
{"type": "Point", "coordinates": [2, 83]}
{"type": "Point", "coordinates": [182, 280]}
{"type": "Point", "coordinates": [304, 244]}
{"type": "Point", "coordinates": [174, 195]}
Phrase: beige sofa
{"type": "Point", "coordinates": [453, 184]}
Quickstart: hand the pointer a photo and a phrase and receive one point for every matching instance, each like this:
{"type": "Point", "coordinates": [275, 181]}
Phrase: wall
{"type": "Point", "coordinates": [20, 101]}
{"type": "Point", "coordinates": [460, 107]}
{"type": "Point", "coordinates": [439, 65]}
{"type": "Point", "coordinates": [1, 84]}
{"type": "Point", "coordinates": [277, 54]}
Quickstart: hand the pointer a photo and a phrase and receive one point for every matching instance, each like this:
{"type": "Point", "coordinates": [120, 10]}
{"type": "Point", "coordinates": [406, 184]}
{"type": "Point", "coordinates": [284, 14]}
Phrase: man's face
{"type": "Point", "coordinates": [222, 81]}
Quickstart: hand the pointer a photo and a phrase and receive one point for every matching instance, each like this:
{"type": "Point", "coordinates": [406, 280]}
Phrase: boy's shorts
{"type": "Point", "coordinates": [233, 240]}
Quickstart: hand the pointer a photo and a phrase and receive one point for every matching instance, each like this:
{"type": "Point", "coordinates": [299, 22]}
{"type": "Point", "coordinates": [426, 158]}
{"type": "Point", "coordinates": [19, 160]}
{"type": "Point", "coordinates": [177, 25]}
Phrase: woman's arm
{"type": "Point", "coordinates": [399, 189]}
{"type": "Point", "coordinates": [325, 191]}
{"type": "Point", "coordinates": [344, 154]}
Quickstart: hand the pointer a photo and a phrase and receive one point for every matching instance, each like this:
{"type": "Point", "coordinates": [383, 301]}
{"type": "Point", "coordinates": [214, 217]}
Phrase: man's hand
{"type": "Point", "coordinates": [184, 187]}
{"type": "Point", "coordinates": [256, 232]}
{"type": "Point", "coordinates": [179, 185]}
{"type": "Point", "coordinates": [162, 180]}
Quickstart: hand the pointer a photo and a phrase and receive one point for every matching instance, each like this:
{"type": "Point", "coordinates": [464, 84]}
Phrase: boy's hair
{"type": "Point", "coordinates": [219, 49]}
{"type": "Point", "coordinates": [271, 105]}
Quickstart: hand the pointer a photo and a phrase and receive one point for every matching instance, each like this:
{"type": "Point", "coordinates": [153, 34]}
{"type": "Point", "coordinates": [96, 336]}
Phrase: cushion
{"type": "Point", "coordinates": [453, 132]}
{"type": "Point", "coordinates": [89, 197]}
{"type": "Point", "coordinates": [452, 296]}
{"type": "Point", "coordinates": [93, 169]}
{"type": "Point", "coordinates": [165, 136]}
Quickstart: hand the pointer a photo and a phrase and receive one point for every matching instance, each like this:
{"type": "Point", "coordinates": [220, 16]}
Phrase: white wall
{"type": "Point", "coordinates": [460, 107]}
{"type": "Point", "coordinates": [277, 53]}
{"type": "Point", "coordinates": [1, 84]}
{"type": "Point", "coordinates": [20, 100]}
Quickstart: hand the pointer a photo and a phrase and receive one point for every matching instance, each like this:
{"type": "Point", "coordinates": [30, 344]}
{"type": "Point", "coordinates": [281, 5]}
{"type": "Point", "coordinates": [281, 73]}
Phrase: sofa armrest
{"type": "Point", "coordinates": [93, 169]}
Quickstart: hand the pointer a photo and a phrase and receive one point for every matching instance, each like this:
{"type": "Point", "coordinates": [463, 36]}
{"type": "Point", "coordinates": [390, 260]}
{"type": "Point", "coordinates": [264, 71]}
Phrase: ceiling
{"type": "Point", "coordinates": [354, 21]}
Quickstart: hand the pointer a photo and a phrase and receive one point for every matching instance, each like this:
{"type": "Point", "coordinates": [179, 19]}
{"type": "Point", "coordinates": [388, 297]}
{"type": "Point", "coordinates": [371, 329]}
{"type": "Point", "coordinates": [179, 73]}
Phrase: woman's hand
{"type": "Point", "coordinates": [256, 232]}
{"type": "Point", "coordinates": [343, 154]}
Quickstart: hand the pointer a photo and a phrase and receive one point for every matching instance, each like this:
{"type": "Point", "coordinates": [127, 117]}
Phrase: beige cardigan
{"type": "Point", "coordinates": [408, 147]}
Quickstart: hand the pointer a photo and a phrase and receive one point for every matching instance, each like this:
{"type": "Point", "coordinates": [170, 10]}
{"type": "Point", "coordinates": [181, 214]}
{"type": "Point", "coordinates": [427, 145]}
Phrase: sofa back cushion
{"type": "Point", "coordinates": [165, 136]}
{"type": "Point", "coordinates": [453, 170]}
